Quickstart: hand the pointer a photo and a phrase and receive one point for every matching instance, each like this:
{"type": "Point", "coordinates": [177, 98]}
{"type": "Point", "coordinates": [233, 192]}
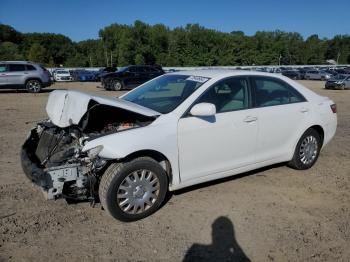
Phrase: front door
{"type": "Point", "coordinates": [208, 145]}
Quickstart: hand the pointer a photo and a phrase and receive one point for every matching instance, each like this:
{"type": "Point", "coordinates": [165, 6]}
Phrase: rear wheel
{"type": "Point", "coordinates": [307, 150]}
{"type": "Point", "coordinates": [33, 86]}
{"type": "Point", "coordinates": [133, 190]}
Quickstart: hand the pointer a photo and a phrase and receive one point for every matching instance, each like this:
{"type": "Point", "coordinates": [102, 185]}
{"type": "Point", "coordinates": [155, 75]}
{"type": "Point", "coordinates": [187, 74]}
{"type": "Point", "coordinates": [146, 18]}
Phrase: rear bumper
{"type": "Point", "coordinates": [47, 84]}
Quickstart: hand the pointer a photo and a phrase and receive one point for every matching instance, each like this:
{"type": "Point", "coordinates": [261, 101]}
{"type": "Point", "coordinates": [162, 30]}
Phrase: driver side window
{"type": "Point", "coordinates": [228, 95]}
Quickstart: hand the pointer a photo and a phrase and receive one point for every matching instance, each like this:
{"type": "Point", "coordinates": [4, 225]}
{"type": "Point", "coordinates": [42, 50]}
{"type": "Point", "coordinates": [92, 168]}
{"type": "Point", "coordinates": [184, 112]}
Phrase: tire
{"type": "Point", "coordinates": [33, 86]}
{"type": "Point", "coordinates": [116, 85]}
{"type": "Point", "coordinates": [124, 204]}
{"type": "Point", "coordinates": [305, 157]}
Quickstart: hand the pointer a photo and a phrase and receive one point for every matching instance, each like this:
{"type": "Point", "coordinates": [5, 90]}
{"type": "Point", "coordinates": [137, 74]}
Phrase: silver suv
{"type": "Point", "coordinates": [23, 75]}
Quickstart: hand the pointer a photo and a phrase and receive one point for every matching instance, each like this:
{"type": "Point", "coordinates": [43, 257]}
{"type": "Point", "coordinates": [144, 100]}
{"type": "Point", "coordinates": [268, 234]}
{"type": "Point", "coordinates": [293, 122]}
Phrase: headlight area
{"type": "Point", "coordinates": [52, 159]}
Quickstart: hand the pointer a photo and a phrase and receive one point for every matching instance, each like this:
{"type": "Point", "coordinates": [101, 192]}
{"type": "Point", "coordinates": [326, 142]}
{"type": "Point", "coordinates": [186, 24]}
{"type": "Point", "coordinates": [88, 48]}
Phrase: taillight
{"type": "Point", "coordinates": [334, 108]}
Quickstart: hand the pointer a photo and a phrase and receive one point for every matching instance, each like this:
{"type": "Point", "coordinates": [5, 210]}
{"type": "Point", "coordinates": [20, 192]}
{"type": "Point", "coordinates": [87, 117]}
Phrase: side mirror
{"type": "Point", "coordinates": [203, 109]}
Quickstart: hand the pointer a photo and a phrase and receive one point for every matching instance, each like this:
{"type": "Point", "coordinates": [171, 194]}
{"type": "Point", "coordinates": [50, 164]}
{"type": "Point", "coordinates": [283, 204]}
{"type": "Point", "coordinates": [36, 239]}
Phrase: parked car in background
{"type": "Point", "coordinates": [177, 130]}
{"type": "Point", "coordinates": [23, 75]}
{"type": "Point", "coordinates": [83, 75]}
{"type": "Point", "coordinates": [62, 75]}
{"type": "Point", "coordinates": [104, 71]}
{"type": "Point", "coordinates": [130, 76]}
{"type": "Point", "coordinates": [338, 82]}
{"type": "Point", "coordinates": [317, 75]}
{"type": "Point", "coordinates": [293, 74]}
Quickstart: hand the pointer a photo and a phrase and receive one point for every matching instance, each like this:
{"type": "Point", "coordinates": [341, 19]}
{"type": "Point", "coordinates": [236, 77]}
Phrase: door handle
{"type": "Point", "coordinates": [304, 110]}
{"type": "Point", "coordinates": [249, 119]}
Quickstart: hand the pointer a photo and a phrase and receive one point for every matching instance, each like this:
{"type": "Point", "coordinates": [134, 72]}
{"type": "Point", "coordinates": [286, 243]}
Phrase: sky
{"type": "Point", "coordinates": [82, 19]}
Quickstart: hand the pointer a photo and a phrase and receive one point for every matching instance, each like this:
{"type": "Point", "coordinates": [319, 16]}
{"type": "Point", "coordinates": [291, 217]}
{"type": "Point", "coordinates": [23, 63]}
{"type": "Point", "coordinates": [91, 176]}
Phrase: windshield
{"type": "Point", "coordinates": [62, 72]}
{"type": "Point", "coordinates": [165, 93]}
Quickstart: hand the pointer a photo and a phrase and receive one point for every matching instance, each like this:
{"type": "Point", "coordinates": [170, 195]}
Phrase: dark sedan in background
{"type": "Point", "coordinates": [130, 76]}
{"type": "Point", "coordinates": [293, 74]}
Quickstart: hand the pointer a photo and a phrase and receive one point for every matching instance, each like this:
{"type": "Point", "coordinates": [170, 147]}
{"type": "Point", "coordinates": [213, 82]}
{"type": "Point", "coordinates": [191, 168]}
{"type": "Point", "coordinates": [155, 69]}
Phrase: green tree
{"type": "Point", "coordinates": [9, 51]}
{"type": "Point", "coordinates": [139, 59]}
{"type": "Point", "coordinates": [37, 53]}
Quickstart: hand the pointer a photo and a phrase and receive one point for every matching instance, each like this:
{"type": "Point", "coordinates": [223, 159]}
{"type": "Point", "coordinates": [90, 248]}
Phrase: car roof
{"type": "Point", "coordinates": [222, 73]}
{"type": "Point", "coordinates": [16, 62]}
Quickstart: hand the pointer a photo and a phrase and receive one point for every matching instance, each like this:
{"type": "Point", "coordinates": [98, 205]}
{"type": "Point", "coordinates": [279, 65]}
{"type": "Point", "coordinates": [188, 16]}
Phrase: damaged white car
{"type": "Point", "coordinates": [174, 131]}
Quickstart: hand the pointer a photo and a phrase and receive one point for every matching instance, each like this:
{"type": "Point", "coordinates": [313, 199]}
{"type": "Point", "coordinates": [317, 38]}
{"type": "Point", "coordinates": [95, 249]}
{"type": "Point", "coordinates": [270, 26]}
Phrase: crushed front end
{"type": "Point", "coordinates": [52, 159]}
{"type": "Point", "coordinates": [52, 156]}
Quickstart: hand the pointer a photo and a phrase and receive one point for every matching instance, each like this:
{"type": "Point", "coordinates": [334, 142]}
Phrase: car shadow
{"type": "Point", "coordinates": [224, 246]}
{"type": "Point", "coordinates": [22, 91]}
{"type": "Point", "coordinates": [256, 172]}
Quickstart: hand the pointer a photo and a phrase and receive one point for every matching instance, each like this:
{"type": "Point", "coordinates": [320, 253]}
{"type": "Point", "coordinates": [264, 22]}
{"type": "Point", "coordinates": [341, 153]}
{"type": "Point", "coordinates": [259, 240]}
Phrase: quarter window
{"type": "Point", "coordinates": [271, 92]}
{"type": "Point", "coordinates": [16, 67]}
{"type": "Point", "coordinates": [228, 95]}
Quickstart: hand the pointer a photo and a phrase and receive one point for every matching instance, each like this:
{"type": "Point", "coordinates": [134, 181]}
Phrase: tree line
{"type": "Point", "coordinates": [191, 45]}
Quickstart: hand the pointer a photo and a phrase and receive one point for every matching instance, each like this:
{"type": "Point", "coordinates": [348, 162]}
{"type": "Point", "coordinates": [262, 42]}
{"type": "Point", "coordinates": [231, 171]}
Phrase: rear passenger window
{"type": "Point", "coordinates": [30, 68]}
{"type": "Point", "coordinates": [271, 92]}
{"type": "Point", "coordinates": [16, 67]}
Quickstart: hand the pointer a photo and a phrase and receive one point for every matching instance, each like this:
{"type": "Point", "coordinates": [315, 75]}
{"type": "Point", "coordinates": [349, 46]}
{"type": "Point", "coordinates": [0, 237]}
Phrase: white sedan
{"type": "Point", "coordinates": [62, 75]}
{"type": "Point", "coordinates": [172, 132]}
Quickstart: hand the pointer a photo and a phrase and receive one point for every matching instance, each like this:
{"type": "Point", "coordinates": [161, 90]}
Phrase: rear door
{"type": "Point", "coordinates": [16, 74]}
{"type": "Point", "coordinates": [282, 113]}
{"type": "Point", "coordinates": [3, 74]}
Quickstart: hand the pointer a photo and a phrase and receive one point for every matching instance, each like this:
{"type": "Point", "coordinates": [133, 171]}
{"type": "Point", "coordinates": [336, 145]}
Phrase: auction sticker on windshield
{"type": "Point", "coordinates": [199, 79]}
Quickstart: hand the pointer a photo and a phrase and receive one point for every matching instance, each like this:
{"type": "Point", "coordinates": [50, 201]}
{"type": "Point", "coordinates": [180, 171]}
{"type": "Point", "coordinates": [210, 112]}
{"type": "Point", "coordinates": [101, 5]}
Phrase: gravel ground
{"type": "Point", "coordinates": [273, 214]}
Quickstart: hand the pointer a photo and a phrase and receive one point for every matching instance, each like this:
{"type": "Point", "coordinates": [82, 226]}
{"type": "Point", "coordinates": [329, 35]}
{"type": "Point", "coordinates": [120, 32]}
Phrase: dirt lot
{"type": "Point", "coordinates": [274, 214]}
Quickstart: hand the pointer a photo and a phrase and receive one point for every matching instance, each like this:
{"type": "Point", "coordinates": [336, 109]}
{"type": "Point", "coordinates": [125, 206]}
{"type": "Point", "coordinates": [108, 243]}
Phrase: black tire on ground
{"type": "Point", "coordinates": [33, 86]}
{"type": "Point", "coordinates": [116, 85]}
{"type": "Point", "coordinates": [114, 178]}
{"type": "Point", "coordinates": [297, 162]}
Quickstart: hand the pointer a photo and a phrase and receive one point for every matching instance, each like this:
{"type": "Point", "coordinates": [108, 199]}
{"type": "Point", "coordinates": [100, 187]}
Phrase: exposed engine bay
{"type": "Point", "coordinates": [52, 156]}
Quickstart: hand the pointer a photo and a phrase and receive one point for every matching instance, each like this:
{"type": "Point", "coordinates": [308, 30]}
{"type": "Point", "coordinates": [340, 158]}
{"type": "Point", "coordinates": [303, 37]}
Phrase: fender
{"type": "Point", "coordinates": [159, 136]}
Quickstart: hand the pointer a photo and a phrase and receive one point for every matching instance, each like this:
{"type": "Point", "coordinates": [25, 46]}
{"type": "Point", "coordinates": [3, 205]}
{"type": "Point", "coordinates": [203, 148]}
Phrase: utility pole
{"type": "Point", "coordinates": [111, 59]}
{"type": "Point", "coordinates": [279, 60]}
{"type": "Point", "coordinates": [90, 61]}
{"type": "Point", "coordinates": [338, 57]}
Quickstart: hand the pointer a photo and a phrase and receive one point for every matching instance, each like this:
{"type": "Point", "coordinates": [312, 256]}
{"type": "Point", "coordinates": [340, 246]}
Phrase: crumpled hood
{"type": "Point", "coordinates": [67, 107]}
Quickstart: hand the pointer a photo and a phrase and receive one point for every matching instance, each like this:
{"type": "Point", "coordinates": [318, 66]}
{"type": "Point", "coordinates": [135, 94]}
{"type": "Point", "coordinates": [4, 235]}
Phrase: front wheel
{"type": "Point", "coordinates": [133, 190]}
{"type": "Point", "coordinates": [33, 86]}
{"type": "Point", "coordinates": [307, 150]}
{"type": "Point", "coordinates": [116, 85]}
